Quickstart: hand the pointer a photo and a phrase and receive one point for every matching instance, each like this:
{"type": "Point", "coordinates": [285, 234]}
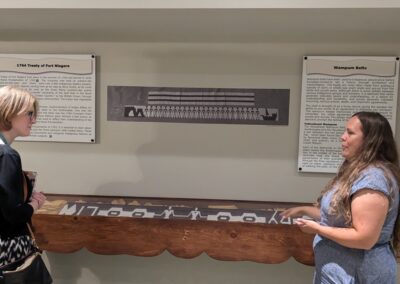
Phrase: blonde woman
{"type": "Point", "coordinates": [18, 110]}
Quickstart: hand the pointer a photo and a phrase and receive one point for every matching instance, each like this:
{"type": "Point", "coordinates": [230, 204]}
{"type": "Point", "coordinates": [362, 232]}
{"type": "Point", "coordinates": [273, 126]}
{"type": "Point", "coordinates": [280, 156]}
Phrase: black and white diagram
{"type": "Point", "coordinates": [198, 105]}
{"type": "Point", "coordinates": [266, 216]}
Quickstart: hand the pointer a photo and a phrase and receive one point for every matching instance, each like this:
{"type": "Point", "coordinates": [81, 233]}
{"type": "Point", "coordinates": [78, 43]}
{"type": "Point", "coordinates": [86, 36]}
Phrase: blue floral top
{"type": "Point", "coordinates": [338, 264]}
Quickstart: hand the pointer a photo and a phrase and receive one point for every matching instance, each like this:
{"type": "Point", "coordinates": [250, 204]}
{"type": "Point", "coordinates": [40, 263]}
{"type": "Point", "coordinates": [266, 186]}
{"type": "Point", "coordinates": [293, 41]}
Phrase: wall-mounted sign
{"type": "Point", "coordinates": [334, 88]}
{"type": "Point", "coordinates": [65, 87]}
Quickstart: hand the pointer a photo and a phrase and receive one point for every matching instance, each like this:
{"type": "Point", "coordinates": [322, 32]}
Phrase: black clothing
{"type": "Point", "coordinates": [15, 212]}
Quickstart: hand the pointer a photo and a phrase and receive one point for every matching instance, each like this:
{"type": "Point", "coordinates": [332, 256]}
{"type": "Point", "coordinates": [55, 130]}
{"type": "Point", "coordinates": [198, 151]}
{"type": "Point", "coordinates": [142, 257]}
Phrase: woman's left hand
{"type": "Point", "coordinates": [308, 226]}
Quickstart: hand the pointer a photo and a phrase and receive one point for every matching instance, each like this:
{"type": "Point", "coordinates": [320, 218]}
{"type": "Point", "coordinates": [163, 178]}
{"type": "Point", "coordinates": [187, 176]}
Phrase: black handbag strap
{"type": "Point", "coordinates": [35, 245]}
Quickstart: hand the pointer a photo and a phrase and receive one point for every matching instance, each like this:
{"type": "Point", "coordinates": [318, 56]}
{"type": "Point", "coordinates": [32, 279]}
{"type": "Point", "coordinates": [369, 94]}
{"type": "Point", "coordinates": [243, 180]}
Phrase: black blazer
{"type": "Point", "coordinates": [15, 212]}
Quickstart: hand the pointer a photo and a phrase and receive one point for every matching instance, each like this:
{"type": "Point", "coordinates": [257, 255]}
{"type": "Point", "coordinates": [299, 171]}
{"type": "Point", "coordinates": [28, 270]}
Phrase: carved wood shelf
{"type": "Point", "coordinates": [224, 230]}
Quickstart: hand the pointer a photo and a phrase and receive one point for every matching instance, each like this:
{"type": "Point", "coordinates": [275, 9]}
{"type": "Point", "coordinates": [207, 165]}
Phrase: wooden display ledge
{"type": "Point", "coordinates": [224, 230]}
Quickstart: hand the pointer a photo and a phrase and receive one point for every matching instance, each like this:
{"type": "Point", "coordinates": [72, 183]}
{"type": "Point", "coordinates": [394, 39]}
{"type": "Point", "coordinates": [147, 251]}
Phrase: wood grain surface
{"type": "Point", "coordinates": [229, 241]}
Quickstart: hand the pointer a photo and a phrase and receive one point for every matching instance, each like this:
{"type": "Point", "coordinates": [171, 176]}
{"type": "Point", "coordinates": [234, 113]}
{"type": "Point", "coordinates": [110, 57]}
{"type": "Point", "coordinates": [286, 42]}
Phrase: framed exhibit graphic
{"type": "Point", "coordinates": [198, 105]}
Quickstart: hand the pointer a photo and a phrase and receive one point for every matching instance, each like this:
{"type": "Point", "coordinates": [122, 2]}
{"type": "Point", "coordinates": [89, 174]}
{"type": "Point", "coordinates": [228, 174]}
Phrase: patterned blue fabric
{"type": "Point", "coordinates": [337, 264]}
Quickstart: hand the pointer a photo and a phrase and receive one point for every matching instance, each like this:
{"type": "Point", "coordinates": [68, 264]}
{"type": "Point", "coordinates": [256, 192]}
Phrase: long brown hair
{"type": "Point", "coordinates": [378, 149]}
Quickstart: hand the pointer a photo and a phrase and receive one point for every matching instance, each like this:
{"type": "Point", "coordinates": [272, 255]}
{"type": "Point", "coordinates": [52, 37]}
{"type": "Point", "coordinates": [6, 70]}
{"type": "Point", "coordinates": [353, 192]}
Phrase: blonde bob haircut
{"type": "Point", "coordinates": [13, 102]}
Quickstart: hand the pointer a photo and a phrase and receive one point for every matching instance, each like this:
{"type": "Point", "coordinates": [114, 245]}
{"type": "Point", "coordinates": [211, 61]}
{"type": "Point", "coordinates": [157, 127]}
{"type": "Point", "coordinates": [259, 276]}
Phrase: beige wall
{"type": "Point", "coordinates": [183, 160]}
{"type": "Point", "coordinates": [188, 160]}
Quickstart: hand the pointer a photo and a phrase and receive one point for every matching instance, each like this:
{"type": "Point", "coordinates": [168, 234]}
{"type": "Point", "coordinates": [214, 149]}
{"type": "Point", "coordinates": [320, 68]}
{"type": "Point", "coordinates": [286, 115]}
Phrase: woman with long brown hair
{"type": "Point", "coordinates": [355, 217]}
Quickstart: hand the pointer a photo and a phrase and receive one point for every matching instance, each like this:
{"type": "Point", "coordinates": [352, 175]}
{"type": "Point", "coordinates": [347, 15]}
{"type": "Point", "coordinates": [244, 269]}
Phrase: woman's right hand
{"type": "Point", "coordinates": [293, 212]}
{"type": "Point", "coordinates": [38, 199]}
{"type": "Point", "coordinates": [300, 211]}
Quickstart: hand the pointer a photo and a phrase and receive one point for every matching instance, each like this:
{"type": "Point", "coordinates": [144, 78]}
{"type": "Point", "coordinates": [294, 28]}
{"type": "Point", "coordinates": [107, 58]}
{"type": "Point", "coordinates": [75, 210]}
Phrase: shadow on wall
{"type": "Point", "coordinates": [86, 267]}
{"type": "Point", "coordinates": [201, 160]}
{"type": "Point", "coordinates": [232, 141]}
{"type": "Point", "coordinates": [116, 189]}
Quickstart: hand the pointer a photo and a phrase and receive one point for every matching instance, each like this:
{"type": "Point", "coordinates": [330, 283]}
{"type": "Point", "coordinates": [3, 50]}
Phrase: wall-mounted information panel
{"type": "Point", "coordinates": [65, 87]}
{"type": "Point", "coordinates": [334, 88]}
